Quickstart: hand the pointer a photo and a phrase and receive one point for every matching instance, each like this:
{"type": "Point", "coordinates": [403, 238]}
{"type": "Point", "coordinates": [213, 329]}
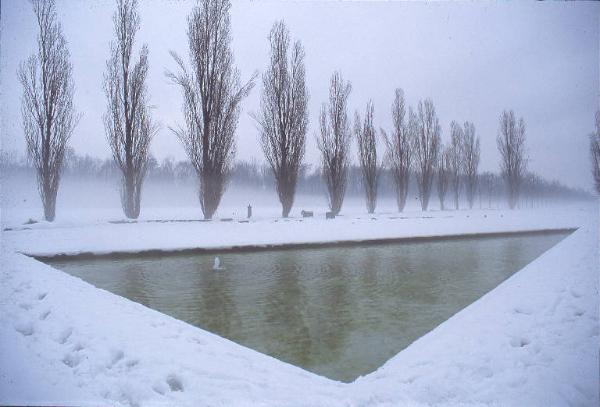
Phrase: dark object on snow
{"type": "Point", "coordinates": [307, 214]}
{"type": "Point", "coordinates": [249, 211]}
{"type": "Point", "coordinates": [329, 215]}
{"type": "Point", "coordinates": [226, 219]}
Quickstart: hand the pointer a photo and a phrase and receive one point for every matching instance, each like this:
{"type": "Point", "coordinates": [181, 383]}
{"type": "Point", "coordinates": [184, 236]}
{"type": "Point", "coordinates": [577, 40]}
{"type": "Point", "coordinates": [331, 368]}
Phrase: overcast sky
{"type": "Point", "coordinates": [472, 60]}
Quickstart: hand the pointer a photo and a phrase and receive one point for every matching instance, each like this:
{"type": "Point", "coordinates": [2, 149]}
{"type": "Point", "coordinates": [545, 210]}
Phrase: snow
{"type": "Point", "coordinates": [43, 239]}
{"type": "Point", "coordinates": [531, 341]}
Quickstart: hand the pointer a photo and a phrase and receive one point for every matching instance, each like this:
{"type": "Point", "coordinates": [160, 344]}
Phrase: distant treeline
{"type": "Point", "coordinates": [252, 174]}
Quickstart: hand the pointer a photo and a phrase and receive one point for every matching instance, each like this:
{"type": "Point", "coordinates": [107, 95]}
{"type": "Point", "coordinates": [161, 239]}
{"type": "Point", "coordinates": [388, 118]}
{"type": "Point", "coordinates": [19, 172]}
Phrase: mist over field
{"type": "Point", "coordinates": [94, 197]}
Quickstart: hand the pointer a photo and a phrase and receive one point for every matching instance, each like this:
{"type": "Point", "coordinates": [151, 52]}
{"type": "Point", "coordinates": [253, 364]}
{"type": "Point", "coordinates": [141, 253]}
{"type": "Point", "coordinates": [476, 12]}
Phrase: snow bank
{"type": "Point", "coordinates": [531, 341]}
{"type": "Point", "coordinates": [46, 239]}
{"type": "Point", "coordinates": [69, 342]}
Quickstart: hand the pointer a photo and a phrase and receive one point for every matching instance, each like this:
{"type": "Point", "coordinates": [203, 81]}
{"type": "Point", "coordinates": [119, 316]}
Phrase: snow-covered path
{"type": "Point", "coordinates": [531, 341]}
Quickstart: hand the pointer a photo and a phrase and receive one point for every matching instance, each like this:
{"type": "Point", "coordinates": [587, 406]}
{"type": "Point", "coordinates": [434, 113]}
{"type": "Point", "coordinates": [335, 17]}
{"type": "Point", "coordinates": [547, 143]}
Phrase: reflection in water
{"type": "Point", "coordinates": [284, 310]}
{"type": "Point", "coordinates": [217, 310]}
{"type": "Point", "coordinates": [340, 312]}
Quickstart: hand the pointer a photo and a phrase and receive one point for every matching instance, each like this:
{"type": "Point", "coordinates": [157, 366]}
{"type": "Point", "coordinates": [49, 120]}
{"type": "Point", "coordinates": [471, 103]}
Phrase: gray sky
{"type": "Point", "coordinates": [473, 60]}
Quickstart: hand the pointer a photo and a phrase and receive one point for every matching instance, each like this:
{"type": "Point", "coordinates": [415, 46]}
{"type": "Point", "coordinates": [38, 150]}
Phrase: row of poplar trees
{"type": "Point", "coordinates": [212, 93]}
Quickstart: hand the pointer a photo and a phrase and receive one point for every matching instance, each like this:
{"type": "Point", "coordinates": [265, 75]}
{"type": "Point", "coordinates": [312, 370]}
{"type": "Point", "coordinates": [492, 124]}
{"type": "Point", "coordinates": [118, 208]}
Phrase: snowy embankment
{"type": "Point", "coordinates": [531, 341]}
{"type": "Point", "coordinates": [43, 239]}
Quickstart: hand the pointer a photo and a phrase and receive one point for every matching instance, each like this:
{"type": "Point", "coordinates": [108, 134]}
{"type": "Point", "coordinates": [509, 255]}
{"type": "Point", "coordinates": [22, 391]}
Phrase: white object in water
{"type": "Point", "coordinates": [217, 265]}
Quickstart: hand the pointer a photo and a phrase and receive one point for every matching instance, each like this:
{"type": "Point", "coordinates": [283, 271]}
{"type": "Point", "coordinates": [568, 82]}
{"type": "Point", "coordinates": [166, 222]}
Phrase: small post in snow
{"type": "Point", "coordinates": [249, 211]}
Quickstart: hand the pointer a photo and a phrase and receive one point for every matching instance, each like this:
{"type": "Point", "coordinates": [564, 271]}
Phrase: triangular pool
{"type": "Point", "coordinates": [340, 312]}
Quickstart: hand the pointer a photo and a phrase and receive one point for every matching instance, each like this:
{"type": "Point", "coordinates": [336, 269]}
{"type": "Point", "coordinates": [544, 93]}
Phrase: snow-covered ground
{"type": "Point", "coordinates": [531, 341]}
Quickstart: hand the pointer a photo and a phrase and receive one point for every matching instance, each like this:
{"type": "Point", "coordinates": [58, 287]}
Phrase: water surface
{"type": "Point", "coordinates": [340, 312]}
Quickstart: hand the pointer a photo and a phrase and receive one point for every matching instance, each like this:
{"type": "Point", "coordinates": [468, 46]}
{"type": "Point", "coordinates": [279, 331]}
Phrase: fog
{"type": "Point", "coordinates": [473, 60]}
{"type": "Point", "coordinates": [89, 195]}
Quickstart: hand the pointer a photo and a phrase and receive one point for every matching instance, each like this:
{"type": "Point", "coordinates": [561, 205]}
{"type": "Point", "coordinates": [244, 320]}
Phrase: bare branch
{"type": "Point", "coordinates": [283, 117]}
{"type": "Point", "coordinates": [399, 149]}
{"type": "Point", "coordinates": [127, 120]}
{"type": "Point", "coordinates": [47, 103]}
{"type": "Point", "coordinates": [335, 141]}
{"type": "Point", "coordinates": [456, 160]}
{"type": "Point", "coordinates": [595, 153]}
{"type": "Point", "coordinates": [426, 144]}
{"type": "Point", "coordinates": [511, 144]}
{"type": "Point", "coordinates": [212, 97]}
{"type": "Point", "coordinates": [444, 170]}
{"type": "Point", "coordinates": [367, 154]}
{"type": "Point", "coordinates": [470, 153]}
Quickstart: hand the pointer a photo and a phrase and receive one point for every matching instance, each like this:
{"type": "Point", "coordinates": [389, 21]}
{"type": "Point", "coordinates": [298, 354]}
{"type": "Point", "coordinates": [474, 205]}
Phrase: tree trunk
{"type": "Point", "coordinates": [401, 198]}
{"type": "Point", "coordinates": [130, 196]}
{"type": "Point", "coordinates": [424, 201]}
{"type": "Point", "coordinates": [49, 201]}
{"type": "Point", "coordinates": [210, 195]}
{"type": "Point", "coordinates": [286, 197]}
{"type": "Point", "coordinates": [286, 207]}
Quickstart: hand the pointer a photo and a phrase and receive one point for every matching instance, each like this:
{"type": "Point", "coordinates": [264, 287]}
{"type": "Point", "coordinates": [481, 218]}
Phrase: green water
{"type": "Point", "coordinates": [340, 312]}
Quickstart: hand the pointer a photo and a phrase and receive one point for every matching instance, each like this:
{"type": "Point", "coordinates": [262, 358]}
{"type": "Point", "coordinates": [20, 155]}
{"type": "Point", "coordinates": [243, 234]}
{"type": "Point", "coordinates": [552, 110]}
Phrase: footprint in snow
{"type": "Point", "coordinates": [522, 310]}
{"type": "Point", "coordinates": [65, 335]}
{"type": "Point", "coordinates": [23, 287]}
{"type": "Point", "coordinates": [71, 359]}
{"type": "Point", "coordinates": [575, 293]}
{"type": "Point", "coordinates": [25, 328]}
{"type": "Point", "coordinates": [25, 305]}
{"type": "Point", "coordinates": [174, 382]}
{"type": "Point", "coordinates": [115, 357]}
{"type": "Point", "coordinates": [78, 347]}
{"type": "Point", "coordinates": [519, 342]}
{"type": "Point", "coordinates": [160, 388]}
{"type": "Point", "coordinates": [485, 372]}
{"type": "Point", "coordinates": [131, 363]}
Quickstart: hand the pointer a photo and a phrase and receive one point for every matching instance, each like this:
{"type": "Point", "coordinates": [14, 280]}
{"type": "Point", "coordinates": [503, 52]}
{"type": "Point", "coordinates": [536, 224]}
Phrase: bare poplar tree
{"type": "Point", "coordinates": [283, 119]}
{"type": "Point", "coordinates": [456, 160]}
{"type": "Point", "coordinates": [470, 152]}
{"type": "Point", "coordinates": [595, 152]}
{"type": "Point", "coordinates": [212, 96]}
{"type": "Point", "coordinates": [426, 144]}
{"type": "Point", "coordinates": [335, 141]}
{"type": "Point", "coordinates": [367, 154]}
{"type": "Point", "coordinates": [47, 103]}
{"type": "Point", "coordinates": [399, 149]}
{"type": "Point", "coordinates": [127, 122]}
{"type": "Point", "coordinates": [444, 171]}
{"type": "Point", "coordinates": [511, 143]}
